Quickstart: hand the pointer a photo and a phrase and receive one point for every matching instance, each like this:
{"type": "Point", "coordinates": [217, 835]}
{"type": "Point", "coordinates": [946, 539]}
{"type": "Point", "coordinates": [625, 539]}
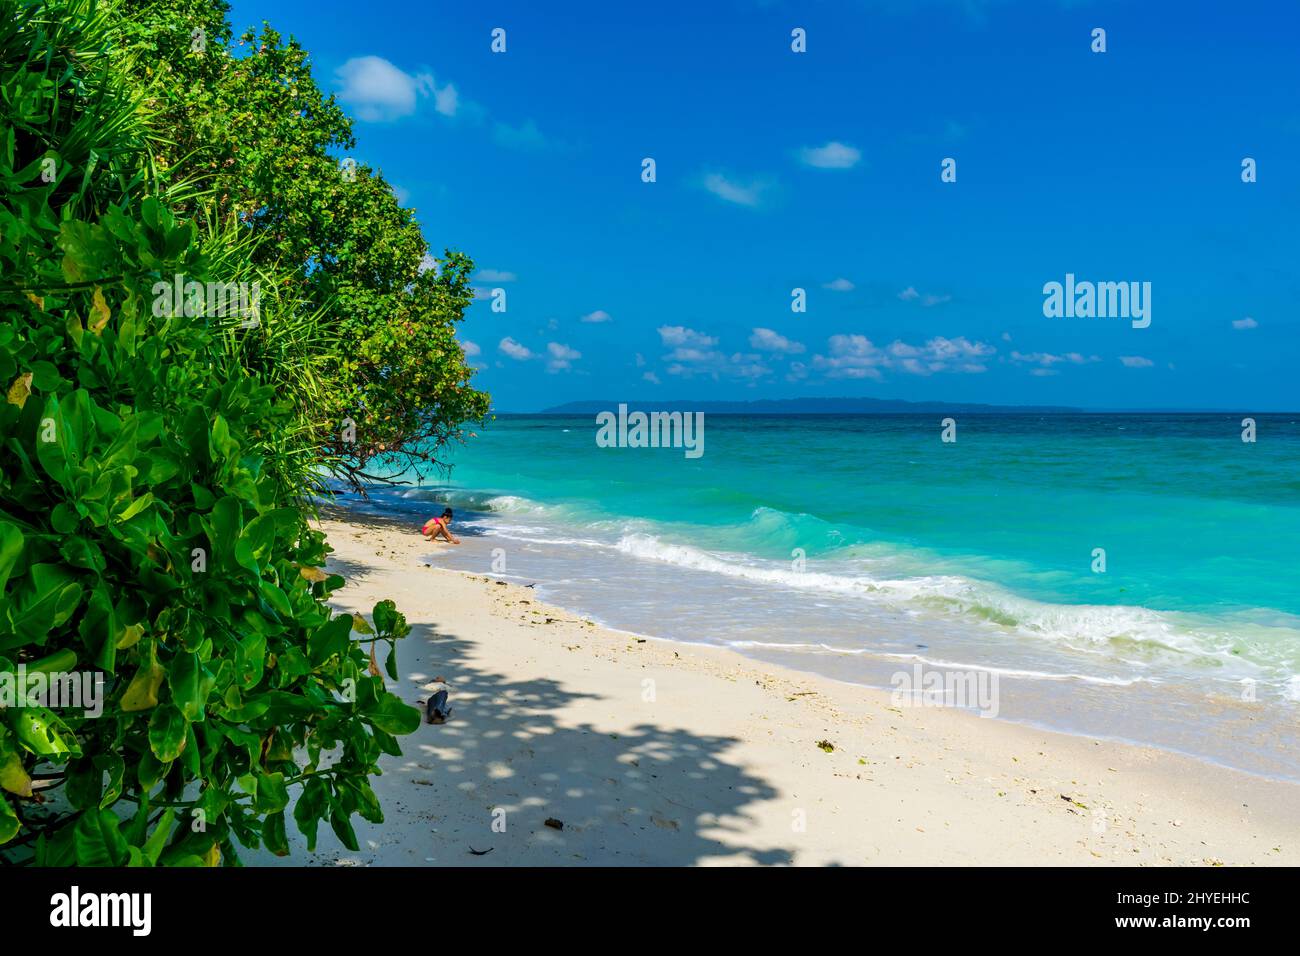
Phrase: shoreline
{"type": "Point", "coordinates": [652, 751]}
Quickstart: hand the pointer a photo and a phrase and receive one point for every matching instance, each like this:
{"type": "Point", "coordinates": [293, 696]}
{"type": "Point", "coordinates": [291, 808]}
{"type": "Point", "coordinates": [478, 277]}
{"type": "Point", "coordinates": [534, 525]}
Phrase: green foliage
{"type": "Point", "coordinates": [151, 517]}
{"type": "Point", "coordinates": [248, 121]}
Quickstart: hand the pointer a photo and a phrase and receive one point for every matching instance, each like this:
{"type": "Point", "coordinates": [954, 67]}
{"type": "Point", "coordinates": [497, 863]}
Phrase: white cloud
{"type": "Point", "coordinates": [839, 285]}
{"type": "Point", "coordinates": [960, 349]}
{"type": "Point", "coordinates": [742, 194]}
{"type": "Point", "coordinates": [851, 356]}
{"type": "Point", "coordinates": [747, 365]}
{"type": "Point", "coordinates": [651, 377]}
{"type": "Point", "coordinates": [856, 356]}
{"type": "Point", "coordinates": [928, 299]}
{"type": "Point", "coordinates": [1246, 323]}
{"type": "Point", "coordinates": [1046, 359]}
{"type": "Point", "coordinates": [428, 262]}
{"type": "Point", "coordinates": [694, 354]}
{"type": "Point", "coordinates": [600, 315]}
{"type": "Point", "coordinates": [495, 275]}
{"type": "Point", "coordinates": [561, 356]}
{"type": "Point", "coordinates": [381, 92]}
{"type": "Point", "coordinates": [640, 360]}
{"type": "Point", "coordinates": [766, 340]}
{"type": "Point", "coordinates": [685, 354]}
{"type": "Point", "coordinates": [680, 335]}
{"type": "Point", "coordinates": [471, 349]}
{"type": "Point", "coordinates": [446, 100]}
{"type": "Point", "coordinates": [833, 155]}
{"type": "Point", "coordinates": [1136, 361]}
{"type": "Point", "coordinates": [514, 349]}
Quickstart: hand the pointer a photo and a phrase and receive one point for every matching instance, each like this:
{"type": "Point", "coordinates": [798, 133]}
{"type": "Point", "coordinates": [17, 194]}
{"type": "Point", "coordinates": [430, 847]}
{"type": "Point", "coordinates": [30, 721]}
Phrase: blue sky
{"type": "Point", "coordinates": [820, 170]}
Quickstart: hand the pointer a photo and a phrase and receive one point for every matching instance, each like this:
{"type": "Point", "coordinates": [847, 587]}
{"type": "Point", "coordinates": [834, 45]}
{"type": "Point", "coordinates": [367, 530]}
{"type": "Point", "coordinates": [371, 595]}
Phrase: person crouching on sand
{"type": "Point", "coordinates": [440, 526]}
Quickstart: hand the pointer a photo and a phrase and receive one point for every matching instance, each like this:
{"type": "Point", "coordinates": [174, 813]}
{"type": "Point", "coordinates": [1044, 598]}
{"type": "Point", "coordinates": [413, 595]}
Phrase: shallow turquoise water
{"type": "Point", "coordinates": [858, 545]}
{"type": "Point", "coordinates": [1190, 517]}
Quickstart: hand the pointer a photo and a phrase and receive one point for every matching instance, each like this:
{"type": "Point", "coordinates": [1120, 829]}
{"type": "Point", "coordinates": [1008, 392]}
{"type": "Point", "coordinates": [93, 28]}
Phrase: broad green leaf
{"type": "Point", "coordinates": [167, 729]}
{"type": "Point", "coordinates": [41, 731]}
{"type": "Point", "coordinates": [329, 639]}
{"type": "Point", "coordinates": [11, 545]}
{"type": "Point", "coordinates": [393, 715]}
{"type": "Point", "coordinates": [190, 683]}
{"type": "Point", "coordinates": [273, 834]}
{"type": "Point", "coordinates": [272, 794]}
{"type": "Point", "coordinates": [9, 825]}
{"type": "Point", "coordinates": [99, 841]}
{"type": "Point", "coordinates": [153, 847]}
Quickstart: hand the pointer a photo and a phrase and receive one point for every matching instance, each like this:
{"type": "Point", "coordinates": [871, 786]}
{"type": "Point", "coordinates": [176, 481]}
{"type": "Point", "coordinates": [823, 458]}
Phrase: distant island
{"type": "Point", "coordinates": [806, 406]}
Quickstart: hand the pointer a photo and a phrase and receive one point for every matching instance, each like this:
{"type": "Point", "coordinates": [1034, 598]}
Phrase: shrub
{"type": "Point", "coordinates": [152, 525]}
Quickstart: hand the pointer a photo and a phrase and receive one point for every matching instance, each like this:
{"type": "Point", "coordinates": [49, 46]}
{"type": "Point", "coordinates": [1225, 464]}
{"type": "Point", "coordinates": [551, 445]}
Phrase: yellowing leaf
{"type": "Point", "coordinates": [130, 637]}
{"type": "Point", "coordinates": [212, 857]}
{"type": "Point", "coordinates": [13, 776]}
{"type": "Point", "coordinates": [20, 389]}
{"type": "Point", "coordinates": [142, 692]}
{"type": "Point", "coordinates": [361, 625]}
{"type": "Point", "coordinates": [314, 575]}
{"type": "Point", "coordinates": [37, 300]}
{"type": "Point", "coordinates": [99, 310]}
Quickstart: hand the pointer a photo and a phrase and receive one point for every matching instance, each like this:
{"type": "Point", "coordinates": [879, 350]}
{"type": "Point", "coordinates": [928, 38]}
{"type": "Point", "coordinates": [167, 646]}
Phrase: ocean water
{"type": "Point", "coordinates": [862, 546]}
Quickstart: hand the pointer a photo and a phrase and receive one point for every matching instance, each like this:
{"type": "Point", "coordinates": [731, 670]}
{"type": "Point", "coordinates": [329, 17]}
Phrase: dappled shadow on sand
{"type": "Point", "coordinates": [654, 795]}
{"type": "Point", "coordinates": [491, 777]}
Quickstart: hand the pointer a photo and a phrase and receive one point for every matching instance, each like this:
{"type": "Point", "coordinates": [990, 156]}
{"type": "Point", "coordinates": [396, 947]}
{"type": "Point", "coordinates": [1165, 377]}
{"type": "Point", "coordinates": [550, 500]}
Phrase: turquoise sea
{"type": "Point", "coordinates": [856, 545]}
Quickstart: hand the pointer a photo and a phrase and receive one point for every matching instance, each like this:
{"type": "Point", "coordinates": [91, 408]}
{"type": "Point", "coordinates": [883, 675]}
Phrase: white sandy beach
{"type": "Point", "coordinates": [652, 752]}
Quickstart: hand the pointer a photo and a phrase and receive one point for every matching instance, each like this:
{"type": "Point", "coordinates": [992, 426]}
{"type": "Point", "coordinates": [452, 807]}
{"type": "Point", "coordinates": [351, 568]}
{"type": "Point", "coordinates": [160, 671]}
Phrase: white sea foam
{"type": "Point", "coordinates": [893, 581]}
{"type": "Point", "coordinates": [1134, 635]}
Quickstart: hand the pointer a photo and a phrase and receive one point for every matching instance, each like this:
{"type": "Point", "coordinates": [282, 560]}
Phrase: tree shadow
{"type": "Point", "coordinates": [492, 776]}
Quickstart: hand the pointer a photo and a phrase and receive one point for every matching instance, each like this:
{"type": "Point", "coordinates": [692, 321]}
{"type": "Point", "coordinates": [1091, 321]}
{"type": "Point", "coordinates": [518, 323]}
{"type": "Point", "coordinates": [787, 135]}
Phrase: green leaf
{"type": "Point", "coordinates": [11, 545]}
{"type": "Point", "coordinates": [310, 808]}
{"type": "Point", "coordinates": [385, 615]}
{"type": "Point", "coordinates": [98, 628]}
{"type": "Point", "coordinates": [259, 534]}
{"type": "Point", "coordinates": [115, 767]}
{"type": "Point", "coordinates": [191, 683]}
{"type": "Point", "coordinates": [342, 826]}
{"type": "Point", "coordinates": [333, 637]}
{"type": "Point", "coordinates": [85, 783]}
{"type": "Point", "coordinates": [98, 840]}
{"type": "Point", "coordinates": [272, 795]}
{"type": "Point", "coordinates": [227, 521]}
{"type": "Point", "coordinates": [393, 715]}
{"type": "Point", "coordinates": [9, 825]}
{"type": "Point", "coordinates": [167, 728]}
{"type": "Point", "coordinates": [278, 600]}
{"type": "Point", "coordinates": [273, 834]}
{"type": "Point", "coordinates": [153, 847]}
{"type": "Point", "coordinates": [42, 732]}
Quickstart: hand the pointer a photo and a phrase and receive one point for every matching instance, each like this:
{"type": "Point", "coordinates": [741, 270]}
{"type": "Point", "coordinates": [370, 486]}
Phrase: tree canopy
{"type": "Point", "coordinates": [246, 121]}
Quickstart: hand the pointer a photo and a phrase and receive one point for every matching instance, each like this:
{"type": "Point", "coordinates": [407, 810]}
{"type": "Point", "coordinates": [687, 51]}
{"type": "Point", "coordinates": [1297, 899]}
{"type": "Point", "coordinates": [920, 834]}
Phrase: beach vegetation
{"type": "Point", "coordinates": [157, 463]}
{"type": "Point", "coordinates": [245, 118]}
